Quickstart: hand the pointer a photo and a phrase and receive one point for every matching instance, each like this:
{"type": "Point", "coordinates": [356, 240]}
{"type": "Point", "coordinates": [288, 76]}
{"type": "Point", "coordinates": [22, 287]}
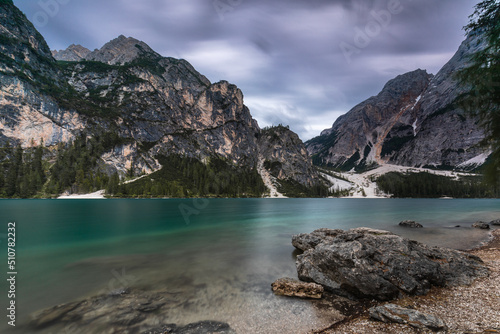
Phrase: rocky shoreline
{"type": "Point", "coordinates": [464, 309]}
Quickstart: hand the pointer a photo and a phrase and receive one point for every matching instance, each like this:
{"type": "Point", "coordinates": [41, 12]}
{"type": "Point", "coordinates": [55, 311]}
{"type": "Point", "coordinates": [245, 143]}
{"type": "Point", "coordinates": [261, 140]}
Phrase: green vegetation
{"type": "Point", "coordinates": [22, 174]}
{"type": "Point", "coordinates": [292, 188]}
{"type": "Point", "coordinates": [188, 177]}
{"type": "Point", "coordinates": [6, 2]}
{"type": "Point", "coordinates": [483, 77]}
{"type": "Point", "coordinates": [78, 165]}
{"type": "Point", "coordinates": [39, 172]}
{"type": "Point", "coordinates": [427, 185]}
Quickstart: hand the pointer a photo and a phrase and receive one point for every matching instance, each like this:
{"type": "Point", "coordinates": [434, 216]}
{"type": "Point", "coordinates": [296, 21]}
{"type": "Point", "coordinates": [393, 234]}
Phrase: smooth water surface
{"type": "Point", "coordinates": [219, 256]}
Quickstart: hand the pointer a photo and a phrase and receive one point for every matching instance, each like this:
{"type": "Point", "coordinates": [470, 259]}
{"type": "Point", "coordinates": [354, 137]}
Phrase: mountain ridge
{"type": "Point", "coordinates": [422, 126]}
{"type": "Point", "coordinates": [154, 106]}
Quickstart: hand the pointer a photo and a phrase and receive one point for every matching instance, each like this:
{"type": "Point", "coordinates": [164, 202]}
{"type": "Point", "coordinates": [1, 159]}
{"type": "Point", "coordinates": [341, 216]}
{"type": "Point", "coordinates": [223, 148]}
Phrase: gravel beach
{"type": "Point", "coordinates": [465, 309]}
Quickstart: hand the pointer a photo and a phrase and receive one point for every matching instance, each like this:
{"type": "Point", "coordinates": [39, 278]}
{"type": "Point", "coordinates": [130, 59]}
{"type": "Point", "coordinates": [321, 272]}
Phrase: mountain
{"type": "Point", "coordinates": [416, 120]}
{"type": "Point", "coordinates": [151, 106]}
{"type": "Point", "coordinates": [72, 53]}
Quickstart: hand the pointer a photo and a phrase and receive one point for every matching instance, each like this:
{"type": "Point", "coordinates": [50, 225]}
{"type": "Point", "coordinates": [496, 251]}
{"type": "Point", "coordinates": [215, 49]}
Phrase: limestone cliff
{"type": "Point", "coordinates": [157, 105]}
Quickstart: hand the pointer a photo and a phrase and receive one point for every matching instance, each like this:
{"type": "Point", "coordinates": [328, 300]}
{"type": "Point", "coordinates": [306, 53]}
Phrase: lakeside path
{"type": "Point", "coordinates": [465, 309]}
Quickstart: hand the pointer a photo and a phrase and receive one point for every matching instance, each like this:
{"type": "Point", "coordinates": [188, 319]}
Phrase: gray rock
{"type": "Point", "coordinates": [495, 222]}
{"type": "Point", "coordinates": [202, 327]}
{"type": "Point", "coordinates": [400, 315]}
{"type": "Point", "coordinates": [293, 288]}
{"type": "Point", "coordinates": [410, 224]}
{"type": "Point", "coordinates": [286, 156]}
{"type": "Point", "coordinates": [132, 312]}
{"type": "Point", "coordinates": [481, 225]}
{"type": "Point", "coordinates": [308, 241]}
{"type": "Point", "coordinates": [120, 50]}
{"type": "Point", "coordinates": [378, 264]}
{"type": "Point", "coordinates": [72, 53]}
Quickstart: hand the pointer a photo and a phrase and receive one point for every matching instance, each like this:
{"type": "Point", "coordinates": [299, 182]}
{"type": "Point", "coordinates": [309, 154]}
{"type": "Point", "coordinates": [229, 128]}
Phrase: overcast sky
{"type": "Point", "coordinates": [301, 63]}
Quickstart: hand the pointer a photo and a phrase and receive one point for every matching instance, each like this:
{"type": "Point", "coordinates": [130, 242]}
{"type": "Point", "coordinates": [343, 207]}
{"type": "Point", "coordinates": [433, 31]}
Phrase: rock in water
{"type": "Point", "coordinates": [410, 224]}
{"type": "Point", "coordinates": [202, 327]}
{"type": "Point", "coordinates": [135, 311]}
{"type": "Point", "coordinates": [481, 225]}
{"type": "Point", "coordinates": [401, 315]}
{"type": "Point", "coordinates": [369, 263]}
{"type": "Point", "coordinates": [294, 288]}
{"type": "Point", "coordinates": [495, 222]}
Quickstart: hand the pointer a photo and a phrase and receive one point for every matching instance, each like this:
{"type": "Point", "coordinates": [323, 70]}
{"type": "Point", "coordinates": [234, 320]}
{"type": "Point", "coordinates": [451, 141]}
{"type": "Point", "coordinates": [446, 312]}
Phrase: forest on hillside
{"type": "Point", "coordinates": [427, 185]}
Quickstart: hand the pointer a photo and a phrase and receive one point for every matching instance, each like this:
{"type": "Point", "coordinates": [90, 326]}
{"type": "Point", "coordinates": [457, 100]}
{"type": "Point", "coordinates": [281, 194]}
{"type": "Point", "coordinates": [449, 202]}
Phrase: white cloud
{"type": "Point", "coordinates": [223, 60]}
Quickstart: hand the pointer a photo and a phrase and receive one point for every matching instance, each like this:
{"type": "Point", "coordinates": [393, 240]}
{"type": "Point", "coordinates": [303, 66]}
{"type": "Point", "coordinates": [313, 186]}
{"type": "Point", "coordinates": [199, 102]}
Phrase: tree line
{"type": "Point", "coordinates": [427, 185]}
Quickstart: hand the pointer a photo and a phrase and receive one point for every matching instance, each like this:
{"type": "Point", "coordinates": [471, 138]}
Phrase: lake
{"type": "Point", "coordinates": [218, 256]}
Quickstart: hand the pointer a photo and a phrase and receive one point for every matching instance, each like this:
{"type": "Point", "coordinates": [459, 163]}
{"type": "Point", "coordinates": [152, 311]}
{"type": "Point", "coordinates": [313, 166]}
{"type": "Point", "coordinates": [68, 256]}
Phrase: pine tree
{"type": "Point", "coordinates": [483, 77]}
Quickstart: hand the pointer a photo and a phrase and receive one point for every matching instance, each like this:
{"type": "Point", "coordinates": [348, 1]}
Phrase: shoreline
{"type": "Point", "coordinates": [465, 309]}
{"type": "Point", "coordinates": [97, 195]}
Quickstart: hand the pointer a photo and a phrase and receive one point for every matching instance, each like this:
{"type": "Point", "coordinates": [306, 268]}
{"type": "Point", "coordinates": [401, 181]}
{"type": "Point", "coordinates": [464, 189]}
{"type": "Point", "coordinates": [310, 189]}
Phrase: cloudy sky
{"type": "Point", "coordinates": [298, 62]}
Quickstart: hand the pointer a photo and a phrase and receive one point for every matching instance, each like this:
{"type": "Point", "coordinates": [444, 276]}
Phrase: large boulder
{"type": "Point", "coordinates": [495, 222]}
{"type": "Point", "coordinates": [369, 263]}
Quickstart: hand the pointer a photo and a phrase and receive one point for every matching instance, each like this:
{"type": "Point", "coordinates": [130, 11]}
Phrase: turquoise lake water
{"type": "Point", "coordinates": [228, 251]}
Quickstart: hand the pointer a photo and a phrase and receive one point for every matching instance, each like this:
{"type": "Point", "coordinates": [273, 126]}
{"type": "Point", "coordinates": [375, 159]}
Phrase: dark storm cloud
{"type": "Point", "coordinates": [301, 63]}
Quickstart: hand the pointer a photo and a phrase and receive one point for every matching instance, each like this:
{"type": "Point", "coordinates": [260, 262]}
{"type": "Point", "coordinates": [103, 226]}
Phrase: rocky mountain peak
{"type": "Point", "coordinates": [411, 83]}
{"type": "Point", "coordinates": [121, 50]}
{"type": "Point", "coordinates": [72, 53]}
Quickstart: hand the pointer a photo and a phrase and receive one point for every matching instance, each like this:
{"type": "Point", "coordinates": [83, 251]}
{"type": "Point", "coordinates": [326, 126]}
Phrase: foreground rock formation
{"type": "Point", "coordinates": [378, 264]}
{"type": "Point", "coordinates": [464, 309]}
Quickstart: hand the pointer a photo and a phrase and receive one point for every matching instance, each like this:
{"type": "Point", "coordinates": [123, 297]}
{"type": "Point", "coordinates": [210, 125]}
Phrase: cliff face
{"type": "Point", "coordinates": [415, 121]}
{"type": "Point", "coordinates": [27, 72]}
{"type": "Point", "coordinates": [285, 156]}
{"type": "Point", "coordinates": [157, 105]}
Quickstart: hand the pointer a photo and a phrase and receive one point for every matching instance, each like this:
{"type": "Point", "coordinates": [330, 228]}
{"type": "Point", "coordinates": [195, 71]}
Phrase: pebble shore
{"type": "Point", "coordinates": [465, 309]}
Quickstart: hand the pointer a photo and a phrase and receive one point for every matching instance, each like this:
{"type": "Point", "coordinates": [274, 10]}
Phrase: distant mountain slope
{"type": "Point", "coordinates": [157, 106]}
{"type": "Point", "coordinates": [415, 121]}
{"type": "Point", "coordinates": [72, 53]}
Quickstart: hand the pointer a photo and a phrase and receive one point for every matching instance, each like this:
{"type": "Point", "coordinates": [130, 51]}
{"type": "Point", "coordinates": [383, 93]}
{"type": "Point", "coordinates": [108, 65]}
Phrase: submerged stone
{"type": "Point", "coordinates": [481, 225]}
{"type": "Point", "coordinates": [410, 224]}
